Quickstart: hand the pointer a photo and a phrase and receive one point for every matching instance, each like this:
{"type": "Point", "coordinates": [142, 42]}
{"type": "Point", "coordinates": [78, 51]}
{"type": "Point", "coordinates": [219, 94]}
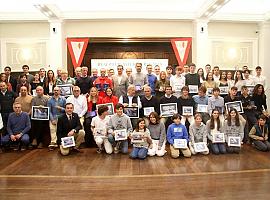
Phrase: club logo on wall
{"type": "Point", "coordinates": [77, 48]}
{"type": "Point", "coordinates": [181, 47]}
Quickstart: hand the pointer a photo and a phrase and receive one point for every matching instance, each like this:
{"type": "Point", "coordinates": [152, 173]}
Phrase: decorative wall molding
{"type": "Point", "coordinates": [233, 53]}
{"type": "Point", "coordinates": [17, 52]}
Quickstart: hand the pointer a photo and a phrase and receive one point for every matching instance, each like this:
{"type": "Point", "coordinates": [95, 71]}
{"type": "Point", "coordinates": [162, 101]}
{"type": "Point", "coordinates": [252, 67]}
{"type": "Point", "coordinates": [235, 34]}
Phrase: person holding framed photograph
{"type": "Point", "coordinates": [109, 97]}
{"type": "Point", "coordinates": [102, 83]}
{"type": "Point", "coordinates": [215, 125]}
{"type": "Point", "coordinates": [177, 82]}
{"type": "Point", "coordinates": [148, 100]}
{"type": "Point", "coordinates": [167, 98]}
{"type": "Point", "coordinates": [101, 121]}
{"type": "Point", "coordinates": [185, 100]}
{"type": "Point", "coordinates": [40, 128]}
{"type": "Point", "coordinates": [177, 131]}
{"type": "Point", "coordinates": [69, 125]}
{"type": "Point", "coordinates": [202, 99]}
{"type": "Point", "coordinates": [197, 133]}
{"type": "Point", "coordinates": [216, 102]}
{"type": "Point", "coordinates": [249, 112]}
{"type": "Point", "coordinates": [138, 79]}
{"type": "Point", "coordinates": [119, 121]}
{"type": "Point", "coordinates": [259, 134]}
{"type": "Point", "coordinates": [192, 78]}
{"type": "Point", "coordinates": [131, 100]}
{"type": "Point", "coordinates": [140, 149]}
{"type": "Point", "coordinates": [233, 127]}
{"type": "Point", "coordinates": [158, 135]}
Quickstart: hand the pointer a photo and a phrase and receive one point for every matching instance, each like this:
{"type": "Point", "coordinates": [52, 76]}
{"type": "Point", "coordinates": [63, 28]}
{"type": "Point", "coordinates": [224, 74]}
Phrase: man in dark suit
{"type": "Point", "coordinates": [69, 125]}
{"type": "Point", "coordinates": [12, 80]}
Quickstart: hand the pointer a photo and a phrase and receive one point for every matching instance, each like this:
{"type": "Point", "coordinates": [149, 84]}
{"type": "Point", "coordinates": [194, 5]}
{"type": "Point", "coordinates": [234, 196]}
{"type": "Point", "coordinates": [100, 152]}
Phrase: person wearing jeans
{"type": "Point", "coordinates": [119, 121]}
{"type": "Point", "coordinates": [141, 140]}
{"type": "Point", "coordinates": [214, 125]}
{"type": "Point", "coordinates": [259, 134]}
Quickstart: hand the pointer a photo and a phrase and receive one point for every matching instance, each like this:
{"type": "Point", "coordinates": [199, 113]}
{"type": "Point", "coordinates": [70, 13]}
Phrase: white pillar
{"type": "Point", "coordinates": [200, 49]}
{"type": "Point", "coordinates": [264, 58]}
{"type": "Point", "coordinates": [57, 47]}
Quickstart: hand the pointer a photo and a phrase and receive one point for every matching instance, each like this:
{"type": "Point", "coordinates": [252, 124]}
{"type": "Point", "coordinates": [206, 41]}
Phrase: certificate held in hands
{"type": "Point", "coordinates": [180, 143]}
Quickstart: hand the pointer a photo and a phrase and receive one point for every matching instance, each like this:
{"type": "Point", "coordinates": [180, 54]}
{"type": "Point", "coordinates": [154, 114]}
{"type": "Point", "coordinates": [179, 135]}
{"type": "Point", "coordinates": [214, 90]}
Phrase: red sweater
{"type": "Point", "coordinates": [112, 99]}
{"type": "Point", "coordinates": [90, 104]}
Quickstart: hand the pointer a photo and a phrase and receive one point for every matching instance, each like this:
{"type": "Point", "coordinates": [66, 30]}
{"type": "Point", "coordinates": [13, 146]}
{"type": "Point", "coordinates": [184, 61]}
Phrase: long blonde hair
{"type": "Point", "coordinates": [91, 98]}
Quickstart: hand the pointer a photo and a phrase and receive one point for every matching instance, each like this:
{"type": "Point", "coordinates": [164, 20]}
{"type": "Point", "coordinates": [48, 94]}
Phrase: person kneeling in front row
{"type": "Point", "coordinates": [141, 141]}
{"type": "Point", "coordinates": [177, 131]}
{"type": "Point", "coordinates": [259, 134]}
{"type": "Point", "coordinates": [18, 126]}
{"type": "Point", "coordinates": [69, 125]}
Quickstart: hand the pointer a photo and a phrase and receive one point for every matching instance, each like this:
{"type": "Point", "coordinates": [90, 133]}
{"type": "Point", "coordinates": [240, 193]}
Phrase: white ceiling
{"type": "Point", "coordinates": [232, 10]}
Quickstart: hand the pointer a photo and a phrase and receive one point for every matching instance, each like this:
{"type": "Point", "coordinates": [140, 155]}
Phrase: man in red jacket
{"type": "Point", "coordinates": [102, 83]}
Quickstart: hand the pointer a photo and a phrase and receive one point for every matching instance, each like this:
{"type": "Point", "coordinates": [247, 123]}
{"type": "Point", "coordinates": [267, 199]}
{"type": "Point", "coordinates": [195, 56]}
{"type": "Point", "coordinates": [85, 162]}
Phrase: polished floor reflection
{"type": "Point", "coordinates": [40, 174]}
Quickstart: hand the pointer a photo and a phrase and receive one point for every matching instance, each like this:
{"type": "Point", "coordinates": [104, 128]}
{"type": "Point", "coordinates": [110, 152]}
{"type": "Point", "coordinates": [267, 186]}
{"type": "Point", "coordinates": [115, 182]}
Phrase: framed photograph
{"type": "Point", "coordinates": [168, 109]}
{"type": "Point", "coordinates": [234, 141]}
{"type": "Point", "coordinates": [224, 90]}
{"type": "Point", "coordinates": [66, 90]}
{"type": "Point", "coordinates": [120, 134]}
{"type": "Point", "coordinates": [202, 108]}
{"type": "Point", "coordinates": [209, 91]}
{"type": "Point", "coordinates": [40, 113]}
{"type": "Point", "coordinates": [187, 110]}
{"type": "Point", "coordinates": [180, 143]}
{"type": "Point", "coordinates": [235, 104]}
{"type": "Point", "coordinates": [218, 137]}
{"type": "Point", "coordinates": [110, 106]}
{"type": "Point", "coordinates": [138, 87]}
{"type": "Point", "coordinates": [132, 112]}
{"type": "Point", "coordinates": [200, 147]}
{"type": "Point", "coordinates": [148, 110]}
{"type": "Point", "coordinates": [68, 142]}
{"type": "Point", "coordinates": [178, 87]}
{"type": "Point", "coordinates": [137, 137]}
{"type": "Point", "coordinates": [193, 89]}
{"type": "Point", "coordinates": [250, 89]}
{"type": "Point", "coordinates": [100, 132]}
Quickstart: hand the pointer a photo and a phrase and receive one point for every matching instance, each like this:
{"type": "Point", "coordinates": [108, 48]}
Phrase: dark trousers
{"type": "Point", "coordinates": [89, 138]}
{"type": "Point", "coordinates": [41, 132]}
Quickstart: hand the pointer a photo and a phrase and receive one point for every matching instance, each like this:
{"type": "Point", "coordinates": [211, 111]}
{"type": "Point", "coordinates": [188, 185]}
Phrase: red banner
{"type": "Point", "coordinates": [181, 47]}
{"type": "Point", "coordinates": [77, 48]}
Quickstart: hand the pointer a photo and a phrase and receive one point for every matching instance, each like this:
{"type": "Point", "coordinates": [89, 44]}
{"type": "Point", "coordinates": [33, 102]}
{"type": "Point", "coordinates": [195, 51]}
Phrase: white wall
{"type": "Point", "coordinates": [227, 29]}
{"type": "Point", "coordinates": [25, 30]}
{"type": "Point", "coordinates": [131, 28]}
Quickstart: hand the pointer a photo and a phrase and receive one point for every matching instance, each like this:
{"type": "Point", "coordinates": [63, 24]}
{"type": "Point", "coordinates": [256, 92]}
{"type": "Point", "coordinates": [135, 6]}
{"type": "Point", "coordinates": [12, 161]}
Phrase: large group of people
{"type": "Point", "coordinates": [216, 110]}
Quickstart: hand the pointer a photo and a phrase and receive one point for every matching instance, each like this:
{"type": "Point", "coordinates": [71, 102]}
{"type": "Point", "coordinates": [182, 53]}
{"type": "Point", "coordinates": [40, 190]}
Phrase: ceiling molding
{"type": "Point", "coordinates": [209, 8]}
{"type": "Point", "coordinates": [129, 15]}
